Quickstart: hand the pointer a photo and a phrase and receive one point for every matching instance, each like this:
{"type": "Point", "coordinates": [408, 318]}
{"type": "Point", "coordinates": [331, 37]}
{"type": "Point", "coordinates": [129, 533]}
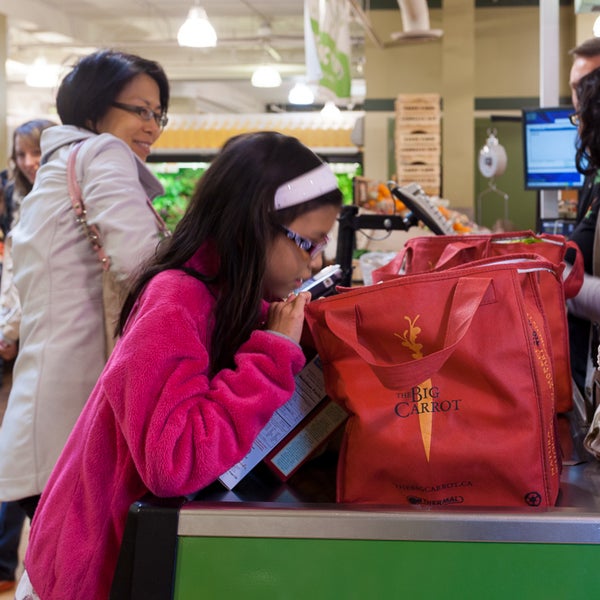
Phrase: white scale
{"type": "Point", "coordinates": [492, 164]}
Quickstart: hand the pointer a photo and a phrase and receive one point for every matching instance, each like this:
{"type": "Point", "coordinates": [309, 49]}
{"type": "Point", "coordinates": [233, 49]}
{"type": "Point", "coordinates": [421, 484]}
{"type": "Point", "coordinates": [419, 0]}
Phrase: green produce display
{"type": "Point", "coordinates": [345, 179]}
{"type": "Point", "coordinates": [179, 181]}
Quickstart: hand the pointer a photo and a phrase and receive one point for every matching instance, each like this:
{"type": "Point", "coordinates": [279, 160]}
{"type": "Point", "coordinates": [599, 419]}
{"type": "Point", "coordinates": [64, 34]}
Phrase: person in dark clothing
{"type": "Point", "coordinates": [583, 341]}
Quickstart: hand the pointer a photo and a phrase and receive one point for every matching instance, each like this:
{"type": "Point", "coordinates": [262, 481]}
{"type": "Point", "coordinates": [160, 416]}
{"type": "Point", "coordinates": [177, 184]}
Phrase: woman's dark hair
{"type": "Point", "coordinates": [587, 155]}
{"type": "Point", "coordinates": [32, 132]}
{"type": "Point", "coordinates": [233, 208]}
{"type": "Point", "coordinates": [88, 91]}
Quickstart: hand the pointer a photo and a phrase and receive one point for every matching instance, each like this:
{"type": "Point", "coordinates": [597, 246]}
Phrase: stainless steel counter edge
{"type": "Point", "coordinates": [561, 526]}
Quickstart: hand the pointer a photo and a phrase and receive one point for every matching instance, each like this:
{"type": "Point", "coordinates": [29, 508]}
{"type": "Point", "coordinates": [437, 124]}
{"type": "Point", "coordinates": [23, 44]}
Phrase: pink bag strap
{"type": "Point", "coordinates": [91, 231]}
{"type": "Point", "coordinates": [467, 297]}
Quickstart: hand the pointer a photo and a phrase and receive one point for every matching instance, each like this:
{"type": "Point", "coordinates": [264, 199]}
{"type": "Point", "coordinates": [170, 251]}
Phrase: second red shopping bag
{"type": "Point", "coordinates": [449, 381]}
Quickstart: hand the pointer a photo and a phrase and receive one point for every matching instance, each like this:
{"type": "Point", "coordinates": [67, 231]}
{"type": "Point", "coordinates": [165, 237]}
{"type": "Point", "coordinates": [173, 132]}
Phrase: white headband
{"type": "Point", "coordinates": [306, 187]}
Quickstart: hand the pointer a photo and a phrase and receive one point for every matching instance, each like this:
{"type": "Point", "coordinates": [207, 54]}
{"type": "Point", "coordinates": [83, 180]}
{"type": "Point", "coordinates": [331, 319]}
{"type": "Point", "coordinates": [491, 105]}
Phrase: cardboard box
{"type": "Point", "coordinates": [407, 137]}
{"type": "Point", "coordinates": [417, 157]}
{"type": "Point", "coordinates": [427, 176]}
{"type": "Point", "coordinates": [416, 172]}
{"type": "Point", "coordinates": [306, 439]}
{"type": "Point", "coordinates": [418, 129]}
{"type": "Point", "coordinates": [412, 110]}
{"type": "Point", "coordinates": [419, 99]}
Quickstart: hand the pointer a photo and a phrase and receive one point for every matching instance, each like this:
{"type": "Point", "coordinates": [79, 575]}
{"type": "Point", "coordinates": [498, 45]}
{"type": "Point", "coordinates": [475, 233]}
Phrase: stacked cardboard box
{"type": "Point", "coordinates": [418, 141]}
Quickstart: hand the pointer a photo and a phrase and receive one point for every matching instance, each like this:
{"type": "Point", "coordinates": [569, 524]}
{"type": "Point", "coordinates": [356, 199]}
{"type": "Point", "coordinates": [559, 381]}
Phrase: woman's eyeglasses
{"type": "Point", "coordinates": [311, 248]}
{"type": "Point", "coordinates": [144, 113]}
{"type": "Point", "coordinates": [574, 118]}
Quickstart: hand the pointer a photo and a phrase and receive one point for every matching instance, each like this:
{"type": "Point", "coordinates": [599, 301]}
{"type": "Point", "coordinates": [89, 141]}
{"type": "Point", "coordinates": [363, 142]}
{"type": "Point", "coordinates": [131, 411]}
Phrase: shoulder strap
{"type": "Point", "coordinates": [91, 231]}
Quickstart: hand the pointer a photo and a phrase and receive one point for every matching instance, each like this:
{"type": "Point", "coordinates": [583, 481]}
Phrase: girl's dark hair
{"type": "Point", "coordinates": [32, 132]}
{"type": "Point", "coordinates": [89, 89]}
{"type": "Point", "coordinates": [587, 155]}
{"type": "Point", "coordinates": [232, 206]}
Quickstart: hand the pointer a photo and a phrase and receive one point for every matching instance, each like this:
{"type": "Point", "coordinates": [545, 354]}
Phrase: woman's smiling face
{"type": "Point", "coordinates": [27, 157]}
{"type": "Point", "coordinates": [137, 133]}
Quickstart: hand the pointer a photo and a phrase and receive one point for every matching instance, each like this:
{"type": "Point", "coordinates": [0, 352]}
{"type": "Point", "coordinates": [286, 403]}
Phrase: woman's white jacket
{"type": "Point", "coordinates": [59, 280]}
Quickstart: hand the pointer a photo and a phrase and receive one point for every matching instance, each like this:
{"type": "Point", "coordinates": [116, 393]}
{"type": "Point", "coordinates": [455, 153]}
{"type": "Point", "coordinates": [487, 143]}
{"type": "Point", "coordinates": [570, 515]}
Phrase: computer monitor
{"type": "Point", "coordinates": [549, 149]}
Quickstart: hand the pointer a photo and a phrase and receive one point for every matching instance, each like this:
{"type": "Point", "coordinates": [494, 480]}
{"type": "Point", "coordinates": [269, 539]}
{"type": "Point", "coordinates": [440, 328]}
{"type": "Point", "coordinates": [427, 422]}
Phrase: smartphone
{"type": "Point", "coordinates": [323, 283]}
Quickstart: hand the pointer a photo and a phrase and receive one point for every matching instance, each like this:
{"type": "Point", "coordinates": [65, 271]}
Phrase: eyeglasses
{"type": "Point", "coordinates": [574, 118]}
{"type": "Point", "coordinates": [144, 113]}
{"type": "Point", "coordinates": [311, 248]}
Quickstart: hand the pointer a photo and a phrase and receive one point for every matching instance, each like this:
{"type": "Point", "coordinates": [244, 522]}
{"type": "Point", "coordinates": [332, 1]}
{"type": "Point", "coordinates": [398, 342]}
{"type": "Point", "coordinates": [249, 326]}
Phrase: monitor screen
{"type": "Point", "coordinates": [549, 149]}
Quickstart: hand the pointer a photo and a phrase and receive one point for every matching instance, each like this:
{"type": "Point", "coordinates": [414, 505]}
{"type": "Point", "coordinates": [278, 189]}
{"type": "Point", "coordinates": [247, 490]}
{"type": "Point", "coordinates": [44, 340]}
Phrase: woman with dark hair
{"type": "Point", "coordinates": [584, 309]}
{"type": "Point", "coordinates": [208, 351]}
{"type": "Point", "coordinates": [113, 108]}
{"type": "Point", "coordinates": [587, 117]}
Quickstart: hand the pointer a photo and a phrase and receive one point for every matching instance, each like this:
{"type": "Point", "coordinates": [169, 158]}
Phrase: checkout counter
{"type": "Point", "coordinates": [267, 539]}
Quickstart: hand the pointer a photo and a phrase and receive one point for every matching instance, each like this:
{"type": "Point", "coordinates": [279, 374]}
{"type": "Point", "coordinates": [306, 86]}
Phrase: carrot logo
{"type": "Point", "coordinates": [424, 391]}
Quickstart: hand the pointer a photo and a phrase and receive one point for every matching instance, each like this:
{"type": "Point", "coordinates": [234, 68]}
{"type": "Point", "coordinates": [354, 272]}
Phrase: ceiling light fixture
{"type": "Point", "coordinates": [197, 31]}
{"type": "Point", "coordinates": [330, 110]}
{"type": "Point", "coordinates": [301, 94]}
{"type": "Point", "coordinates": [266, 76]}
{"type": "Point", "coordinates": [41, 74]}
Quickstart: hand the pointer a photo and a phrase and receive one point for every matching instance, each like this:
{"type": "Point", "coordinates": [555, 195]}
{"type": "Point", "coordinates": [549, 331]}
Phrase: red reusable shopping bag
{"type": "Point", "coordinates": [427, 253]}
{"type": "Point", "coordinates": [448, 379]}
{"type": "Point", "coordinates": [434, 253]}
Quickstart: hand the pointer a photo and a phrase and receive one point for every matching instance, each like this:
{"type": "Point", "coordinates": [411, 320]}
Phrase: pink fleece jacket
{"type": "Point", "coordinates": [154, 422]}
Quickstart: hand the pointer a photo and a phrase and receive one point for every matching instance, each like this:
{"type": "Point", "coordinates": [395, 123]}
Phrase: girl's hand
{"type": "Point", "coordinates": [287, 317]}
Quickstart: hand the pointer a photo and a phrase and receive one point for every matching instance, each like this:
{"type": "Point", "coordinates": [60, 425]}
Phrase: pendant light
{"type": "Point", "coordinates": [330, 110]}
{"type": "Point", "coordinates": [301, 94]}
{"type": "Point", "coordinates": [41, 74]}
{"type": "Point", "coordinates": [197, 31]}
{"type": "Point", "coordinates": [266, 76]}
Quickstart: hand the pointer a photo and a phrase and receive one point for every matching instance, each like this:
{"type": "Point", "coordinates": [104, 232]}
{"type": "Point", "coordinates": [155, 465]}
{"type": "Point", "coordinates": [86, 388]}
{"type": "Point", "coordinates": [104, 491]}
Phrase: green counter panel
{"type": "Point", "coordinates": [315, 569]}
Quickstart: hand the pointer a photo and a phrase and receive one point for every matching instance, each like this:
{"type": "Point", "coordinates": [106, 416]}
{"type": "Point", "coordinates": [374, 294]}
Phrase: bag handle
{"type": "Point", "coordinates": [392, 269]}
{"type": "Point", "coordinates": [574, 280]}
{"type": "Point", "coordinates": [459, 250]}
{"type": "Point", "coordinates": [571, 284]}
{"type": "Point", "coordinates": [91, 231]}
{"type": "Point", "coordinates": [467, 296]}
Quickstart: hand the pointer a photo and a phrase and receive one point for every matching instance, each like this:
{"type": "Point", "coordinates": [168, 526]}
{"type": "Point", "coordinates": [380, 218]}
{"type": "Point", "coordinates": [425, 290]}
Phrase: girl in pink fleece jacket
{"type": "Point", "coordinates": [208, 351]}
